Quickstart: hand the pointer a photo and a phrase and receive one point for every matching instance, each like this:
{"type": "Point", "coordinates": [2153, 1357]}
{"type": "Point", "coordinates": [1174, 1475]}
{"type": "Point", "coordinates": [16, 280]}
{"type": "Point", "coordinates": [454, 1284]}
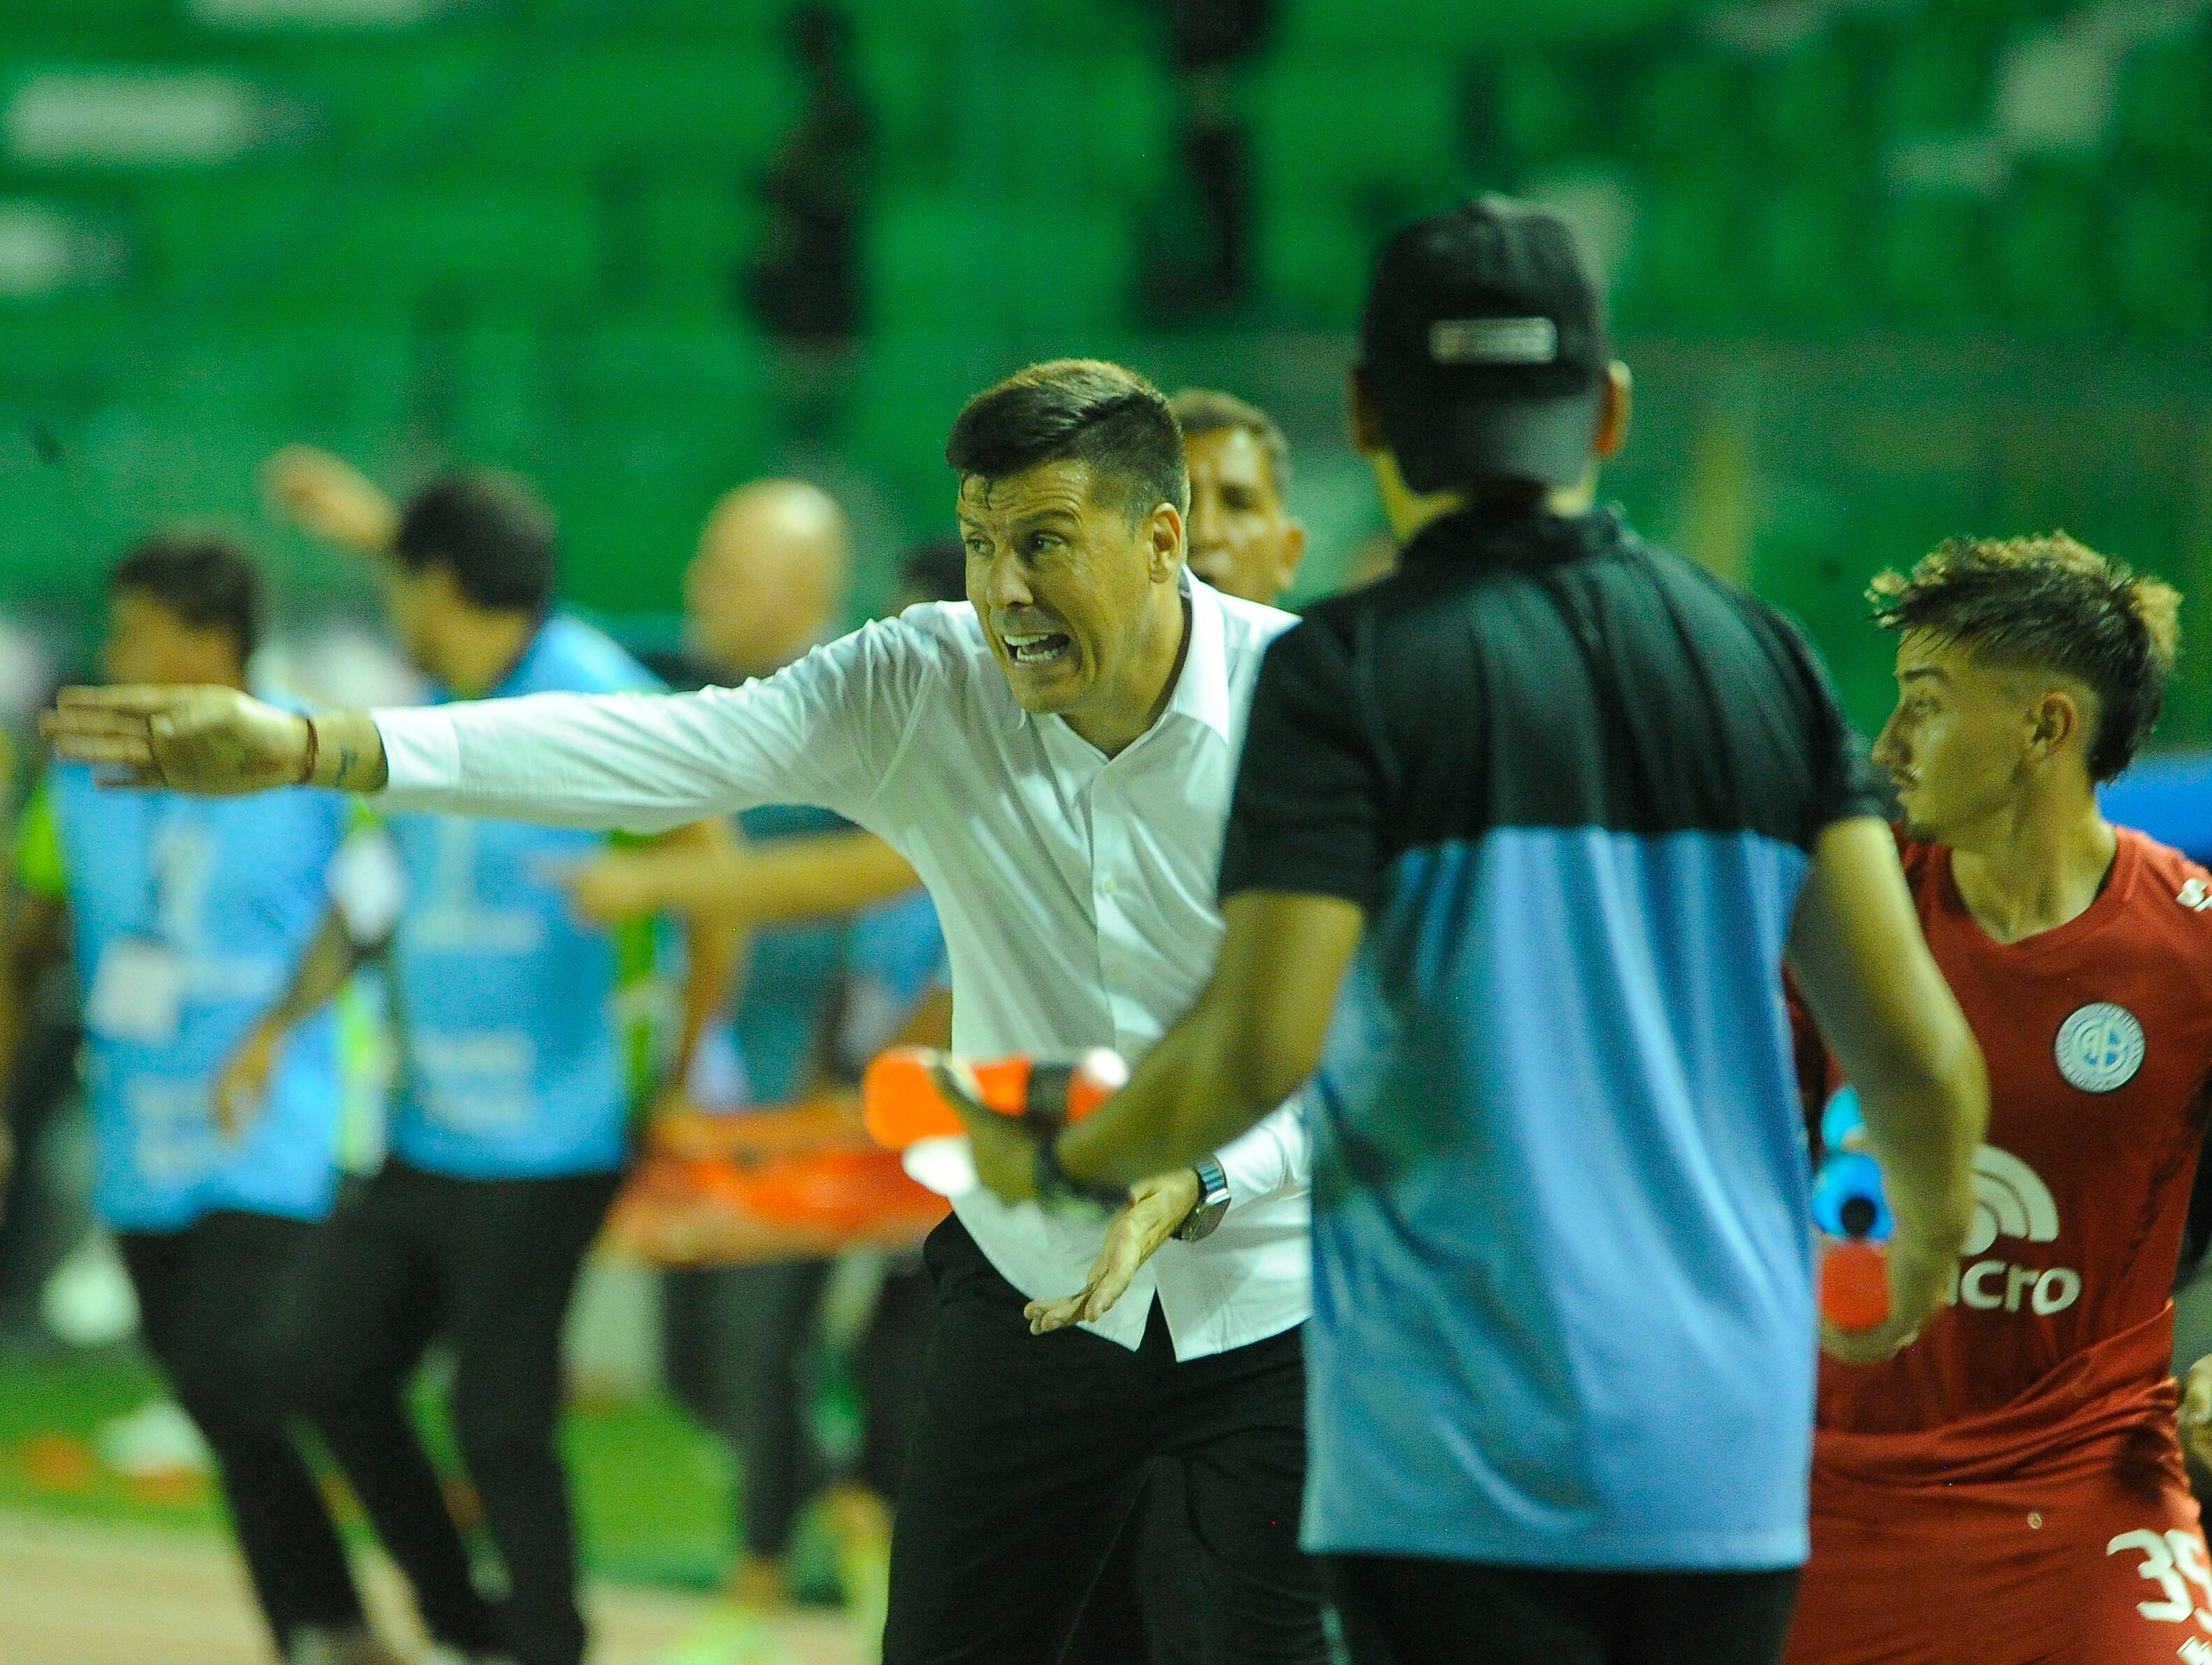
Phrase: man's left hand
{"type": "Point", "coordinates": [1155, 1208]}
{"type": "Point", "coordinates": [1005, 1153]}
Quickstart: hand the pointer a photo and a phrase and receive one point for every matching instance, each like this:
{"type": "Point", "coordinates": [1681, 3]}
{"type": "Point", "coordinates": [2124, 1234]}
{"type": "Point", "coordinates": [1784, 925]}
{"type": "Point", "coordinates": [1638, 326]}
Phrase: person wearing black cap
{"type": "Point", "coordinates": [1540, 819]}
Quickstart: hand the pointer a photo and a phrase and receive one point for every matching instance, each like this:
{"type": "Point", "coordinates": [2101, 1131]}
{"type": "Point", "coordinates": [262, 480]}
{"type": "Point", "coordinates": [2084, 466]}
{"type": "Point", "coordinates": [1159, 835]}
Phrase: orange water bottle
{"type": "Point", "coordinates": [905, 1096]}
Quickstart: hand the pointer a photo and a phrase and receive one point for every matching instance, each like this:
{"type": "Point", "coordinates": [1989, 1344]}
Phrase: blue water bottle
{"type": "Point", "coordinates": [1853, 1214]}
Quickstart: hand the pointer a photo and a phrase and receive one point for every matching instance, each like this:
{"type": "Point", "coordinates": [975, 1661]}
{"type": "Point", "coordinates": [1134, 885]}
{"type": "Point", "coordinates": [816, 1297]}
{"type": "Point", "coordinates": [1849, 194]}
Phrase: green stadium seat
{"type": "Point", "coordinates": [318, 373]}
{"type": "Point", "coordinates": [388, 96]}
{"type": "Point", "coordinates": [1459, 26]}
{"type": "Point", "coordinates": [1937, 83]}
{"type": "Point", "coordinates": [911, 386]}
{"type": "Point", "coordinates": [1121, 150]}
{"type": "Point", "coordinates": [1688, 267]}
{"type": "Point", "coordinates": [1322, 127]}
{"type": "Point", "coordinates": [2046, 252]}
{"type": "Point", "coordinates": [1540, 108]}
{"type": "Point", "coordinates": [1314, 263]}
{"type": "Point", "coordinates": [1811, 104]}
{"type": "Point", "coordinates": [682, 243]}
{"type": "Point", "coordinates": [753, 23]}
{"type": "Point", "coordinates": [199, 231]}
{"type": "Point", "coordinates": [500, 244]}
{"type": "Point", "coordinates": [912, 83]}
{"type": "Point", "coordinates": [1932, 269]}
{"type": "Point", "coordinates": [1685, 111]}
{"type": "Point", "coordinates": [1809, 268]}
{"type": "Point", "coordinates": [2159, 259]}
{"type": "Point", "coordinates": [937, 263]}
{"type": "Point", "coordinates": [2165, 111]}
{"type": "Point", "coordinates": [623, 371]}
{"type": "Point", "coordinates": [86, 30]}
{"type": "Point", "coordinates": [1332, 180]}
{"type": "Point", "coordinates": [680, 109]}
{"type": "Point", "coordinates": [925, 264]}
{"type": "Point", "coordinates": [1084, 26]}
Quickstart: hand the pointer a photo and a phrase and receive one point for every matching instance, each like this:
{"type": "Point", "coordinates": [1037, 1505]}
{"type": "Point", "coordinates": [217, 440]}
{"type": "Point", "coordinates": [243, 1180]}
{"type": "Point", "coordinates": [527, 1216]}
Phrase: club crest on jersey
{"type": "Point", "coordinates": [2100, 1047]}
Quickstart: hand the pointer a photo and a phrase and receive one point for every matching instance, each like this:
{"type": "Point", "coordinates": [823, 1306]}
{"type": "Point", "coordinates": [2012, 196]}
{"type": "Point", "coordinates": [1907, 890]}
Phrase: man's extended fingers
{"type": "Point", "coordinates": [92, 720]}
{"type": "Point", "coordinates": [1045, 1316]}
{"type": "Point", "coordinates": [130, 751]}
{"type": "Point", "coordinates": [145, 698]}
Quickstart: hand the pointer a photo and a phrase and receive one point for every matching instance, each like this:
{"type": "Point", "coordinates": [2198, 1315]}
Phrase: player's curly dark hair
{"type": "Point", "coordinates": [2048, 603]}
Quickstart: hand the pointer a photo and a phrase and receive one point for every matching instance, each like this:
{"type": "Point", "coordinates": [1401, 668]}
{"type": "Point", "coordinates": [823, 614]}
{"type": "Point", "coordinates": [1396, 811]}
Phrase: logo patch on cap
{"type": "Point", "coordinates": [1494, 341]}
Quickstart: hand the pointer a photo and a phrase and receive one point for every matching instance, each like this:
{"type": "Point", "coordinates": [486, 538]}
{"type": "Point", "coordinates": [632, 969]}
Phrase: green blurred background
{"type": "Point", "coordinates": [1886, 270]}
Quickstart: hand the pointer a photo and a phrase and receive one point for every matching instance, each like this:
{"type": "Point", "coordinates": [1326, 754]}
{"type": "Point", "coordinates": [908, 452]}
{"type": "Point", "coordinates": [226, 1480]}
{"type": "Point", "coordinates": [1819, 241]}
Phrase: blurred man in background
{"type": "Point", "coordinates": [843, 943]}
{"type": "Point", "coordinates": [187, 920]}
{"type": "Point", "coordinates": [518, 1078]}
{"type": "Point", "coordinates": [1243, 540]}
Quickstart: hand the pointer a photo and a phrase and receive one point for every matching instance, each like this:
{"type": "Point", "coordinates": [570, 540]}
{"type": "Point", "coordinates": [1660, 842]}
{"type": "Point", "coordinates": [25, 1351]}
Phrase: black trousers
{"type": "Point", "coordinates": [1149, 1605]}
{"type": "Point", "coordinates": [735, 1342]}
{"type": "Point", "coordinates": [1407, 1612]}
{"type": "Point", "coordinates": [1030, 1452]}
{"type": "Point", "coordinates": [490, 1264]}
{"type": "Point", "coordinates": [205, 1294]}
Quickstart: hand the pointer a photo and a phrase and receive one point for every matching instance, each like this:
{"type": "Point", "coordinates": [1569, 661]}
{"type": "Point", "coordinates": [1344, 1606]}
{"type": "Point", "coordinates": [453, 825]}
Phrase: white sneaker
{"type": "Point", "coordinates": [156, 1438]}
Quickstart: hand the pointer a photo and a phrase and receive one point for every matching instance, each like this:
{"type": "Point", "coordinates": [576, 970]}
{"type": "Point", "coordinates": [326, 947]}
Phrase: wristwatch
{"type": "Point", "coordinates": [1212, 1203]}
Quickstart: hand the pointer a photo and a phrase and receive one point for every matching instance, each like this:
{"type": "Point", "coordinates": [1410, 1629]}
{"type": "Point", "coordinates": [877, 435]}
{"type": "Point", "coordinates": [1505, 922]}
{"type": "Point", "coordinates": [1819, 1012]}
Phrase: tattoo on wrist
{"type": "Point", "coordinates": [348, 757]}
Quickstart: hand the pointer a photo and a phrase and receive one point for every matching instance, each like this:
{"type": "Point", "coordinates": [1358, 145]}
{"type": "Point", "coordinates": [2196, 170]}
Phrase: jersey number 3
{"type": "Point", "coordinates": [2168, 1561]}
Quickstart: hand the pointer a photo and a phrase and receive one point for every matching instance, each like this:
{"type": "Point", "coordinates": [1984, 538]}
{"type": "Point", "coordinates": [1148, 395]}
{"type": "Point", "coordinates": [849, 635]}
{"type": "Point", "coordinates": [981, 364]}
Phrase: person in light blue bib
{"type": "Point", "coordinates": [186, 918]}
{"type": "Point", "coordinates": [527, 1038]}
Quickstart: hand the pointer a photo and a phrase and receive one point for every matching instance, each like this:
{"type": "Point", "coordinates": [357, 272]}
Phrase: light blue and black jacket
{"type": "Point", "coordinates": [1563, 1292]}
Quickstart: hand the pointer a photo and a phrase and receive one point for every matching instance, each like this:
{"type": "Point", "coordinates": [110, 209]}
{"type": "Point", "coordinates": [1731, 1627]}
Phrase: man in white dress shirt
{"type": "Point", "coordinates": [1055, 757]}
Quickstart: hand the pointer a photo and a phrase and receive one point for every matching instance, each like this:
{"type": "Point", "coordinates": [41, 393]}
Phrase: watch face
{"type": "Point", "coordinates": [1203, 1219]}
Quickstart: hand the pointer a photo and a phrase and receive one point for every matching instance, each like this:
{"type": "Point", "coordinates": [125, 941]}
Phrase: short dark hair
{"type": "Point", "coordinates": [205, 578]}
{"type": "Point", "coordinates": [1082, 411]}
{"type": "Point", "coordinates": [937, 569]}
{"type": "Point", "coordinates": [1207, 410]}
{"type": "Point", "coordinates": [2048, 603]}
{"type": "Point", "coordinates": [490, 531]}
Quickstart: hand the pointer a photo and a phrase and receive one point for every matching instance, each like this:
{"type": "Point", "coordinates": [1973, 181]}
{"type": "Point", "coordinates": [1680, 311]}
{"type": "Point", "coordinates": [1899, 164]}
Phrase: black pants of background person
{"type": "Point", "coordinates": [737, 1339]}
{"type": "Point", "coordinates": [39, 1219]}
{"type": "Point", "coordinates": [1406, 1611]}
{"type": "Point", "coordinates": [489, 1264]}
{"type": "Point", "coordinates": [205, 1294]}
{"type": "Point", "coordinates": [1029, 1454]}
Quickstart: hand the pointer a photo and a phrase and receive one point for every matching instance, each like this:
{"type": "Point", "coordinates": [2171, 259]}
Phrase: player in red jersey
{"type": "Point", "coordinates": [2009, 1490]}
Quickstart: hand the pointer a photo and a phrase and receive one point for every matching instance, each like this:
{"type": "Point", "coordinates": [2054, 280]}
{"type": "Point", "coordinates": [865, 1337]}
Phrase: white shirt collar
{"type": "Point", "coordinates": [1202, 692]}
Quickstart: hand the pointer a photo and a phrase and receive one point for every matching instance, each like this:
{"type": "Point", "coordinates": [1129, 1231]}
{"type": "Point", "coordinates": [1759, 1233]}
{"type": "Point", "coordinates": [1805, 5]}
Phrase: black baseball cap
{"type": "Point", "coordinates": [1483, 346]}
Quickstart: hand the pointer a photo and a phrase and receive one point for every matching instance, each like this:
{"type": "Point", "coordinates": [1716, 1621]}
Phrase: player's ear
{"type": "Point", "coordinates": [2054, 719]}
{"type": "Point", "coordinates": [1164, 534]}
